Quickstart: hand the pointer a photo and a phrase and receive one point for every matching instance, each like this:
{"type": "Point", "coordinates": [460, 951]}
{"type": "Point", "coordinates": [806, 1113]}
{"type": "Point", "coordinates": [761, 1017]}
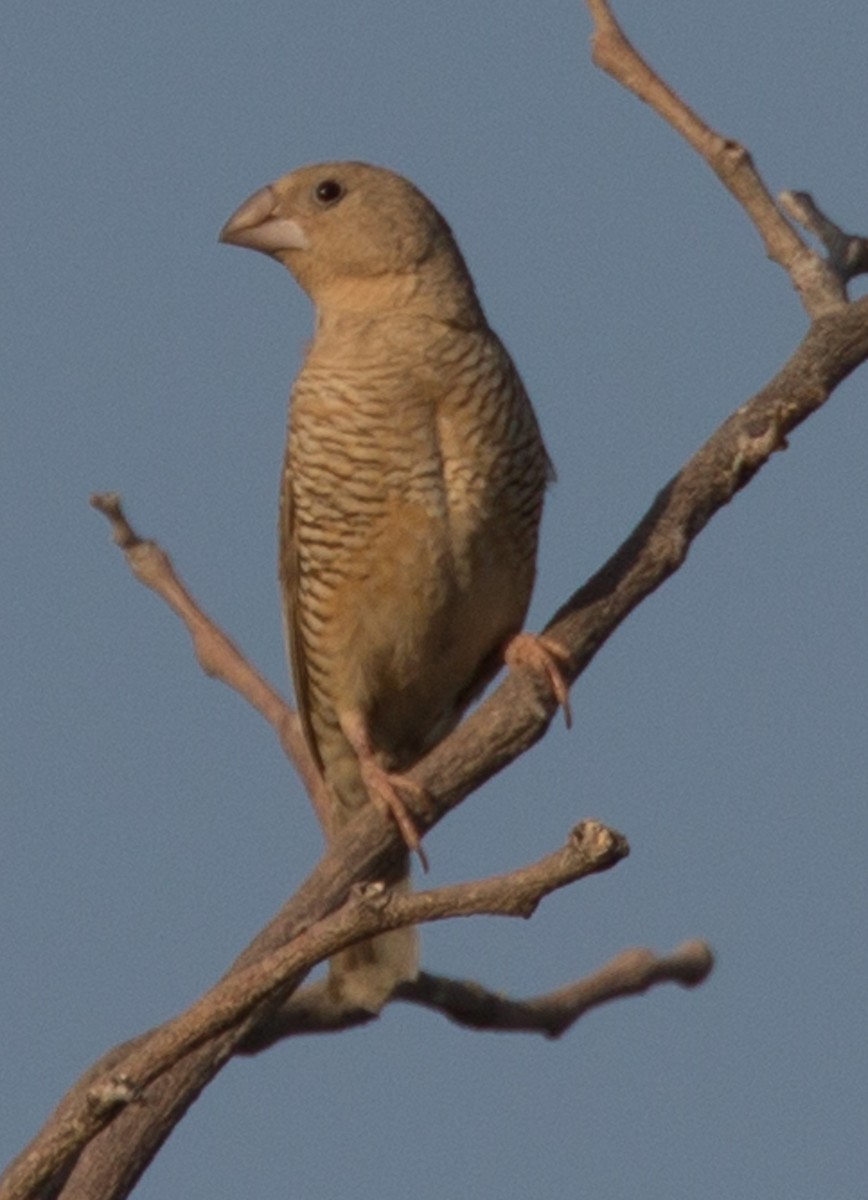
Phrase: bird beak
{"type": "Point", "coordinates": [258, 225]}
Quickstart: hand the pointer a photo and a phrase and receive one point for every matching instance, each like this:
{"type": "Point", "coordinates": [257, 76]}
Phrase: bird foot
{"type": "Point", "coordinates": [383, 787]}
{"type": "Point", "coordinates": [544, 656]}
{"type": "Point", "coordinates": [385, 791]}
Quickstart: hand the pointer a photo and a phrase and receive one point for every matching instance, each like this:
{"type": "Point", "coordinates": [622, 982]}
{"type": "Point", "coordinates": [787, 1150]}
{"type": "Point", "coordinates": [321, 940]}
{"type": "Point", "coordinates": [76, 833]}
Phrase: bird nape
{"type": "Point", "coordinates": [410, 501]}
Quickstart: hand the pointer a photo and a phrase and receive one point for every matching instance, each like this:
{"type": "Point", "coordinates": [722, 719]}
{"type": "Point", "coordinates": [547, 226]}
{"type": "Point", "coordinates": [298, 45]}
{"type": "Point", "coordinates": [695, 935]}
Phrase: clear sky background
{"type": "Point", "coordinates": [150, 825]}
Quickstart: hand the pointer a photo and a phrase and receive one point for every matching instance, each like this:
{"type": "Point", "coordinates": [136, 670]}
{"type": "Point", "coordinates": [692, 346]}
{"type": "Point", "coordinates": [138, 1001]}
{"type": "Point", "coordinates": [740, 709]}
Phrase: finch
{"type": "Point", "coordinates": [410, 499]}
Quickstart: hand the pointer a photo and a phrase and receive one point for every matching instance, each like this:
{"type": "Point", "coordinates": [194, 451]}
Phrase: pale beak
{"type": "Point", "coordinates": [258, 225]}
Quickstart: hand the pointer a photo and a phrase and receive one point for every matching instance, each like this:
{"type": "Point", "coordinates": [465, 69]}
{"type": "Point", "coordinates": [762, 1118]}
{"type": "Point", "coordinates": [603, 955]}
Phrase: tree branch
{"type": "Point", "coordinates": [512, 719]}
{"type": "Point", "coordinates": [820, 288]}
{"type": "Point", "coordinates": [244, 999]}
{"type": "Point", "coordinates": [470, 1004]}
{"type": "Point", "coordinates": [628, 974]}
{"type": "Point", "coordinates": [847, 254]}
{"type": "Point", "coordinates": [216, 653]}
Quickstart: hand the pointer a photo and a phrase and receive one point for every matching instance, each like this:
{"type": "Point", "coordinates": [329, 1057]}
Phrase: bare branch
{"type": "Point", "coordinates": [847, 253]}
{"type": "Point", "coordinates": [519, 712]}
{"type": "Point", "coordinates": [313, 1010]}
{"type": "Point", "coordinates": [217, 654]}
{"type": "Point", "coordinates": [629, 973]}
{"type": "Point", "coordinates": [512, 720]}
{"type": "Point", "coordinates": [820, 288]}
{"type": "Point", "coordinates": [590, 848]}
{"type": "Point", "coordinates": [243, 1000]}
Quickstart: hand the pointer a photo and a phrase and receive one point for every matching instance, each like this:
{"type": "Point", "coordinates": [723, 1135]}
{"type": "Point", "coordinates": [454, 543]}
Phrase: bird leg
{"type": "Point", "coordinates": [544, 656]}
{"type": "Point", "coordinates": [384, 788]}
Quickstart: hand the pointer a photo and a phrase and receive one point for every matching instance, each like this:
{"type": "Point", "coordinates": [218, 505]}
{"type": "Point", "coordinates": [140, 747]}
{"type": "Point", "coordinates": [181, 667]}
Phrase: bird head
{"type": "Point", "coordinates": [356, 236]}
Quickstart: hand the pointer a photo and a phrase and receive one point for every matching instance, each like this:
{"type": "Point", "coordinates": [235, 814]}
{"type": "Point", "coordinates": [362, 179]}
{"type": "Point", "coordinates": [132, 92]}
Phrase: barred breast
{"type": "Point", "coordinates": [411, 503]}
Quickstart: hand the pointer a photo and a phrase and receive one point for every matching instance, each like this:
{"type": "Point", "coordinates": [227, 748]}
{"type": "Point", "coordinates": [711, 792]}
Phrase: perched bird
{"type": "Point", "coordinates": [410, 501]}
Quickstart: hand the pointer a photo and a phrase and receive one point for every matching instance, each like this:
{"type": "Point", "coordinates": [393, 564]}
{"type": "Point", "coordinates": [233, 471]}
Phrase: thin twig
{"type": "Point", "coordinates": [628, 974]}
{"type": "Point", "coordinates": [216, 653]}
{"type": "Point", "coordinates": [847, 254]}
{"type": "Point", "coordinates": [820, 288]}
{"type": "Point", "coordinates": [313, 1009]}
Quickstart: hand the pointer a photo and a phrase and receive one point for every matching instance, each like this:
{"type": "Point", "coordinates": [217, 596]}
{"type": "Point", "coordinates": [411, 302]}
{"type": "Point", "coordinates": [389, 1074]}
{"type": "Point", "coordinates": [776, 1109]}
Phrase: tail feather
{"type": "Point", "coordinates": [365, 975]}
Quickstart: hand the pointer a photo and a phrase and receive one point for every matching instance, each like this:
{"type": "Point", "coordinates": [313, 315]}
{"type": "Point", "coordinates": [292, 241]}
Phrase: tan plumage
{"type": "Point", "coordinates": [411, 495]}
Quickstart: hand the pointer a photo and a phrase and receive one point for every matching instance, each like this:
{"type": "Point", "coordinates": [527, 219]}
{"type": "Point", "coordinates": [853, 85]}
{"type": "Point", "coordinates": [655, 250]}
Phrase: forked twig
{"type": "Point", "coordinates": [216, 653]}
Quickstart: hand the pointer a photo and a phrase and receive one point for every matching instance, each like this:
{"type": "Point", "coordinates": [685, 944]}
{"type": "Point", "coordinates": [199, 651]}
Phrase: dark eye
{"type": "Point", "coordinates": [328, 191]}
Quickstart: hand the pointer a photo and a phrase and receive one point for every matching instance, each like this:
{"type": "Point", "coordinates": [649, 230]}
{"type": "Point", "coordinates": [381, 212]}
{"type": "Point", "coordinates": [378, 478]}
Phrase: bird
{"type": "Point", "coordinates": [410, 502]}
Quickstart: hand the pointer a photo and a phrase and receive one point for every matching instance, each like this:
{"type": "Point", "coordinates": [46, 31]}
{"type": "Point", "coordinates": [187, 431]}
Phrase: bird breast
{"type": "Point", "coordinates": [416, 483]}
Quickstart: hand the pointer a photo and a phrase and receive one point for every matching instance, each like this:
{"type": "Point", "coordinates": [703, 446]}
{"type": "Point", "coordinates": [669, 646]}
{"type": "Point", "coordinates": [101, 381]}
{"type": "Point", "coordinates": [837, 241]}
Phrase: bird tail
{"type": "Point", "coordinates": [365, 975]}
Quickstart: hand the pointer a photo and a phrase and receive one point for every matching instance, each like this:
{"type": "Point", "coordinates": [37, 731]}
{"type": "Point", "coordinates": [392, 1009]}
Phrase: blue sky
{"type": "Point", "coordinates": [149, 823]}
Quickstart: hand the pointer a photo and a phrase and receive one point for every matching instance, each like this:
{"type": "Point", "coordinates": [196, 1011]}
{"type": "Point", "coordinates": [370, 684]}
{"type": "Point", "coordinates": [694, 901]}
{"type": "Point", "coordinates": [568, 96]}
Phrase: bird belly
{"type": "Point", "coordinates": [409, 642]}
{"type": "Point", "coordinates": [415, 505]}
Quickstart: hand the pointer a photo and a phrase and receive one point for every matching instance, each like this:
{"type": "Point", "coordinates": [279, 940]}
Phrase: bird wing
{"type": "Point", "coordinates": [288, 574]}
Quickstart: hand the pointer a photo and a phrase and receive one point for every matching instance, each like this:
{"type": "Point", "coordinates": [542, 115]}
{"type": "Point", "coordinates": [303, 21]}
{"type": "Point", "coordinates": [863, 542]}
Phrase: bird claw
{"type": "Point", "coordinates": [543, 655]}
{"type": "Point", "coordinates": [384, 789]}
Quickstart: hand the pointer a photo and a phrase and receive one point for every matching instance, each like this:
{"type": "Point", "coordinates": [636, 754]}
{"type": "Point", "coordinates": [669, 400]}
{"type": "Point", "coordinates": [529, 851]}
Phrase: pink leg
{"type": "Point", "coordinates": [543, 655]}
{"type": "Point", "coordinates": [384, 788]}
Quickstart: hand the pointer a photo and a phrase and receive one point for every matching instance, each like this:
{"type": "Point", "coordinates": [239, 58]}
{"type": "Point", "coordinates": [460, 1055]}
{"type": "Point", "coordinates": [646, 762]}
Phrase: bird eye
{"type": "Point", "coordinates": [328, 191]}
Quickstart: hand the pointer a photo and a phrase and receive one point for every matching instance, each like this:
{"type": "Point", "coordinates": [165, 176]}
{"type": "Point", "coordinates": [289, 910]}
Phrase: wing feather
{"type": "Point", "coordinates": [288, 574]}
